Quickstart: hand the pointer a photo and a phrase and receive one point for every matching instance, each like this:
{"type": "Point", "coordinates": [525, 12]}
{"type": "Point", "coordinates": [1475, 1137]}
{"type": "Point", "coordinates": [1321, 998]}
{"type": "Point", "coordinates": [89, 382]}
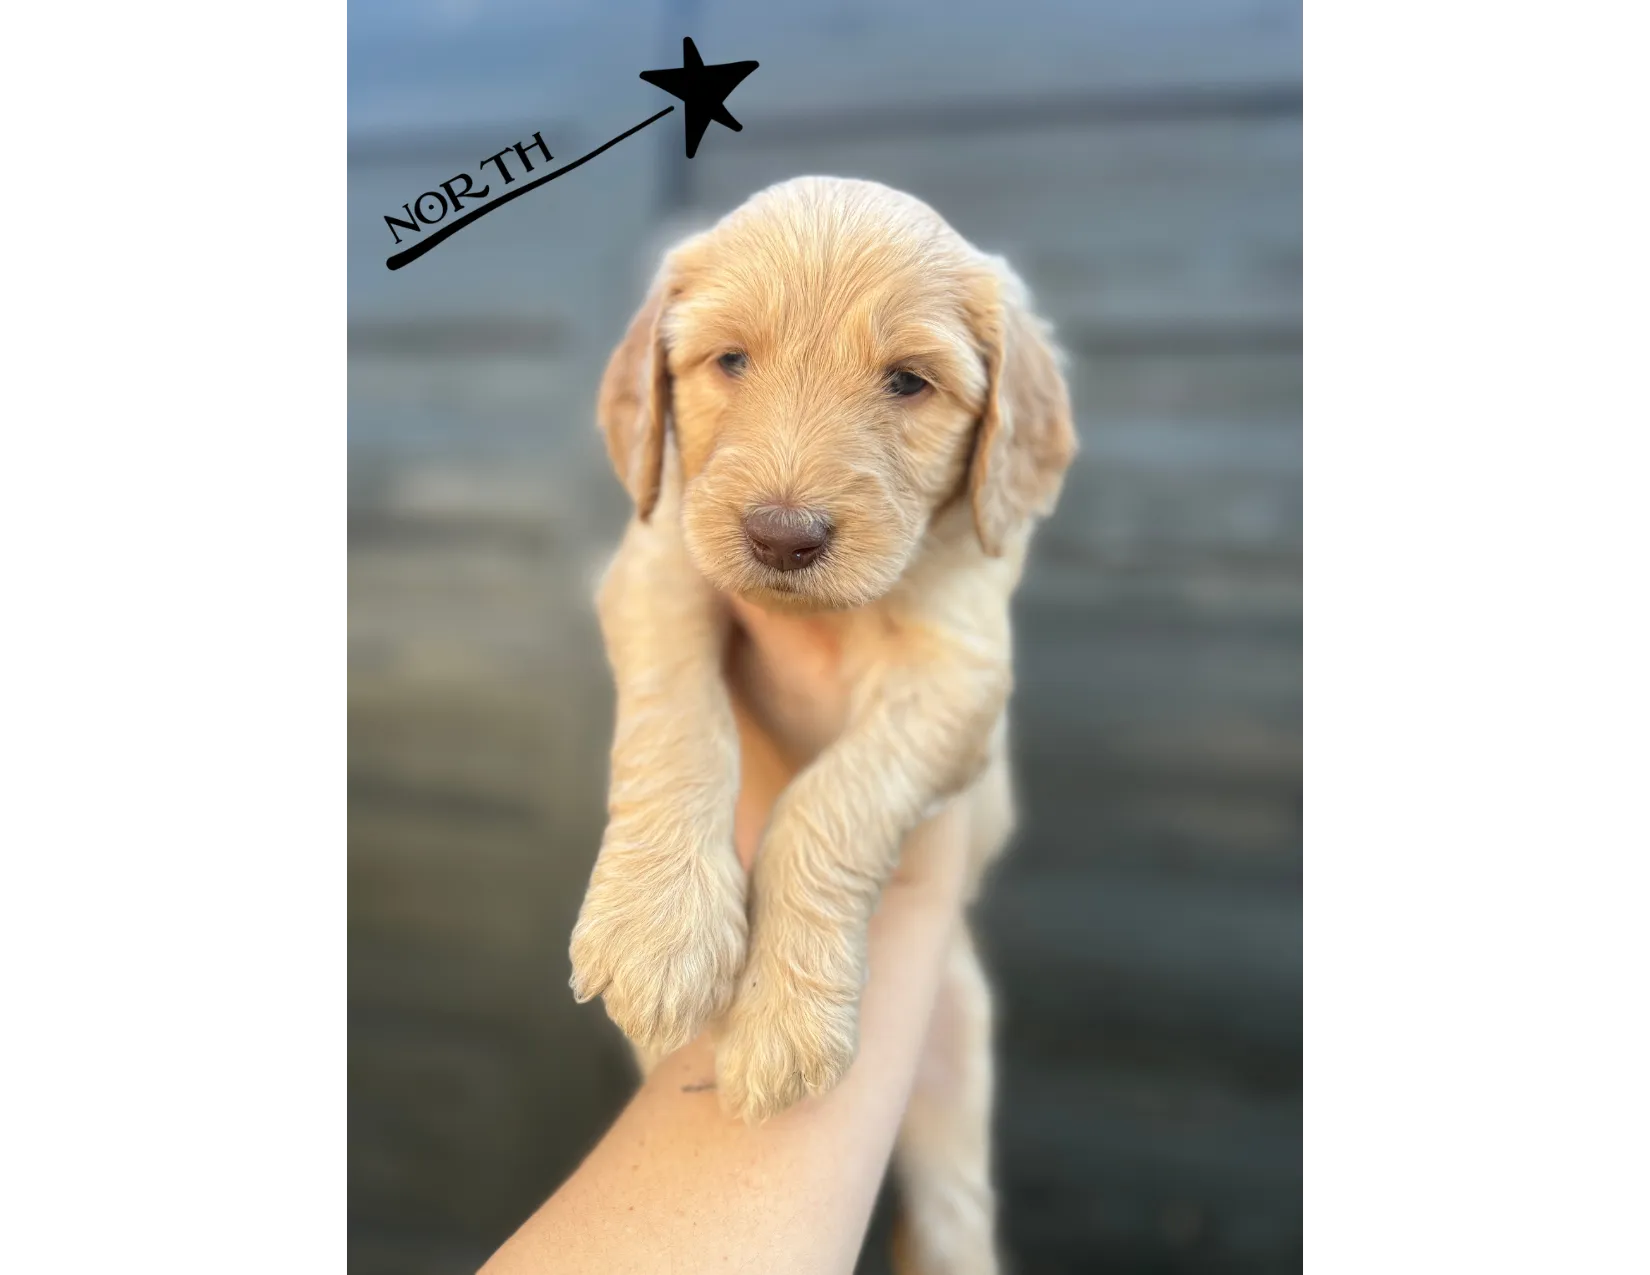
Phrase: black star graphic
{"type": "Point", "coordinates": [702, 88]}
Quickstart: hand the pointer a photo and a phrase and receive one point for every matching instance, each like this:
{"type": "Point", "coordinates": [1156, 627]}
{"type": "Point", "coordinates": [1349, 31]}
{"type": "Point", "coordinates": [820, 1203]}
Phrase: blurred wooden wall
{"type": "Point", "coordinates": [1140, 164]}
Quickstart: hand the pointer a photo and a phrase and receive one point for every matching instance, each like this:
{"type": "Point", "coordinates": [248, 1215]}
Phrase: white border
{"type": "Point", "coordinates": [1477, 366]}
{"type": "Point", "coordinates": [173, 513]}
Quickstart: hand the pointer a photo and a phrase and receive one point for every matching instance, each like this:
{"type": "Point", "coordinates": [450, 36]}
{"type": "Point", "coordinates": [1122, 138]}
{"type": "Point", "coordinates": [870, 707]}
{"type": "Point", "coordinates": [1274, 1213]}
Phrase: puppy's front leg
{"type": "Point", "coordinates": [661, 935]}
{"type": "Point", "coordinates": [921, 733]}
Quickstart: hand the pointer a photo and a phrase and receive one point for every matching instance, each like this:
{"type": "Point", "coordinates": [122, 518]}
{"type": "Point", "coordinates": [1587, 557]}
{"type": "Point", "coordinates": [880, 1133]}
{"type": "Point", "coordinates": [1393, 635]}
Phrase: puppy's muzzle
{"type": "Point", "coordinates": [784, 538]}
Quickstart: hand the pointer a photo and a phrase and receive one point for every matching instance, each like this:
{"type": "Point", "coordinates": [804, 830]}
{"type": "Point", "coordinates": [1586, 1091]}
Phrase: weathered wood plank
{"type": "Point", "coordinates": [817, 59]}
{"type": "Point", "coordinates": [1147, 228]}
{"type": "Point", "coordinates": [572, 63]}
{"type": "Point", "coordinates": [1149, 234]}
{"type": "Point", "coordinates": [550, 260]}
{"type": "Point", "coordinates": [1164, 956]}
{"type": "Point", "coordinates": [1146, 1168]}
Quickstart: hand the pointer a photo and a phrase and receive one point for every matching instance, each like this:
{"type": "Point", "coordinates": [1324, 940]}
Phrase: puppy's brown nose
{"type": "Point", "coordinates": [786, 539]}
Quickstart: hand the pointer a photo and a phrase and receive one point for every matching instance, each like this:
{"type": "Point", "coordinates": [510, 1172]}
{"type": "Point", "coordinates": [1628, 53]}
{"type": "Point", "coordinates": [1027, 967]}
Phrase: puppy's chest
{"type": "Point", "coordinates": [798, 674]}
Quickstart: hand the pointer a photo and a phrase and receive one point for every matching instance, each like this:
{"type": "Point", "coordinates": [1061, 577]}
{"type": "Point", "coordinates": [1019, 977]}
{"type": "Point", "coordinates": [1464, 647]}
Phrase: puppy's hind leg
{"type": "Point", "coordinates": [947, 1218]}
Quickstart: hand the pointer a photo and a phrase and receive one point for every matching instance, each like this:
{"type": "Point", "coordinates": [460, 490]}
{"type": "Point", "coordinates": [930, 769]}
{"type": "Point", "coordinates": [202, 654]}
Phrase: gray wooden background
{"type": "Point", "coordinates": [1140, 163]}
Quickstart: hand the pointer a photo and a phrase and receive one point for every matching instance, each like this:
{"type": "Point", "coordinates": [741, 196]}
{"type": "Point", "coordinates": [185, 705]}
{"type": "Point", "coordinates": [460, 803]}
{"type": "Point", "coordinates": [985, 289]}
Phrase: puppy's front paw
{"type": "Point", "coordinates": [661, 938]}
{"type": "Point", "coordinates": [788, 1035]}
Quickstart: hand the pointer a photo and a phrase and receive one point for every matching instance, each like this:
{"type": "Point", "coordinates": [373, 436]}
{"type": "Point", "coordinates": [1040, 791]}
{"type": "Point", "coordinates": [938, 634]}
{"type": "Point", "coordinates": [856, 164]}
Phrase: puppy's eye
{"type": "Point", "coordinates": [733, 362]}
{"type": "Point", "coordinates": [905, 384]}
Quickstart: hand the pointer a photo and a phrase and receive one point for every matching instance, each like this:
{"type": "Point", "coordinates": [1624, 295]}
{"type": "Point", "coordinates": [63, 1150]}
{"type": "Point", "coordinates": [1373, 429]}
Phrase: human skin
{"type": "Point", "coordinates": [677, 1185]}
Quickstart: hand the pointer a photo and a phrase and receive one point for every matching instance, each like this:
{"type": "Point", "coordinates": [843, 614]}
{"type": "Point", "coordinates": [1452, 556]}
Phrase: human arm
{"type": "Point", "coordinates": [676, 1185]}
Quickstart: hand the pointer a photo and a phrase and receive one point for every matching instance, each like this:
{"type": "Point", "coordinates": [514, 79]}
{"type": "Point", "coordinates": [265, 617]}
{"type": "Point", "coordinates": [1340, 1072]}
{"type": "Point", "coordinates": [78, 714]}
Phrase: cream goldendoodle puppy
{"type": "Point", "coordinates": [838, 422]}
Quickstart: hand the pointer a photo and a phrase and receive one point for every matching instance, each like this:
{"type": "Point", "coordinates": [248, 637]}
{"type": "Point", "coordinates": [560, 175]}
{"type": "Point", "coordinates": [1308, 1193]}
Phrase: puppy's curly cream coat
{"type": "Point", "coordinates": [834, 351]}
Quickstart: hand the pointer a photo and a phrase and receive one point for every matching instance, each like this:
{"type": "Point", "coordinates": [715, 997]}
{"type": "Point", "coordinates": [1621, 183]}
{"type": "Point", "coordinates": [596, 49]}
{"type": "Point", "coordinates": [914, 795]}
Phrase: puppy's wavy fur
{"type": "Point", "coordinates": [826, 287]}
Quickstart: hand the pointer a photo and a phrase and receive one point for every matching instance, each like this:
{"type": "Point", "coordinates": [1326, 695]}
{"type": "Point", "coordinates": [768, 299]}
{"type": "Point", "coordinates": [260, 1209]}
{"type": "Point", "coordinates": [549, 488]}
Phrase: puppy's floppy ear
{"type": "Point", "coordinates": [1026, 439]}
{"type": "Point", "coordinates": [633, 404]}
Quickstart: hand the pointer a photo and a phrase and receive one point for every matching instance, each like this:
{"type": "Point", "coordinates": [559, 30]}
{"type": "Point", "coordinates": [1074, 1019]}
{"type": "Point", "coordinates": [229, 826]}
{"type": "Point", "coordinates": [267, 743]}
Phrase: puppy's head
{"type": "Point", "coordinates": [837, 365]}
